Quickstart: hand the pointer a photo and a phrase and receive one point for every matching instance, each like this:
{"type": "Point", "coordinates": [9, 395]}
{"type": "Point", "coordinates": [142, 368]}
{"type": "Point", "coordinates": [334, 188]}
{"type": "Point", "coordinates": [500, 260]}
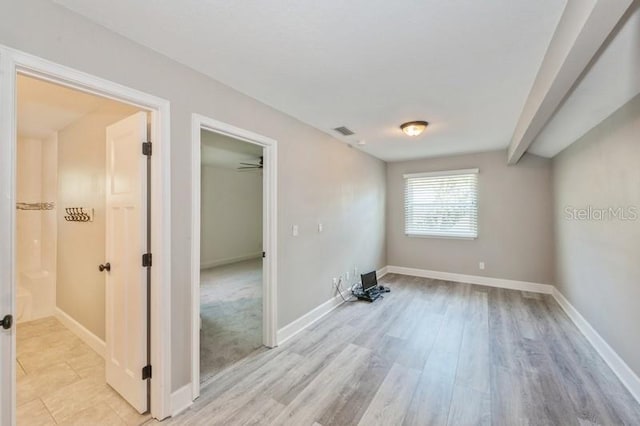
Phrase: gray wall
{"type": "Point", "coordinates": [81, 246]}
{"type": "Point", "coordinates": [515, 234]}
{"type": "Point", "coordinates": [598, 267]}
{"type": "Point", "coordinates": [231, 216]}
{"type": "Point", "coordinates": [319, 178]}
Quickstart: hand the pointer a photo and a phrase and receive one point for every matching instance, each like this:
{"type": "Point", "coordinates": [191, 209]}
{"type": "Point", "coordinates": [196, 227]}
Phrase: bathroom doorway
{"type": "Point", "coordinates": [80, 202]}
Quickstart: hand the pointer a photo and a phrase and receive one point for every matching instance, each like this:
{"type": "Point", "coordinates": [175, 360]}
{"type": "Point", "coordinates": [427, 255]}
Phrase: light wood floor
{"type": "Point", "coordinates": [430, 352]}
{"type": "Point", "coordinates": [61, 380]}
{"type": "Point", "coordinates": [231, 313]}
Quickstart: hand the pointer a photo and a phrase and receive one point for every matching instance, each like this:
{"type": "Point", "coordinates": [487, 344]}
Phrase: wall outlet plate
{"type": "Point", "coordinates": [481, 265]}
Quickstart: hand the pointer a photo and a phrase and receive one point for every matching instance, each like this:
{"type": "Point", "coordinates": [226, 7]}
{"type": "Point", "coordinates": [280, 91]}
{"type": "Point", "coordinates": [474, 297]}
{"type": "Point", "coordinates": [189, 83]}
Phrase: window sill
{"type": "Point", "coordinates": [443, 237]}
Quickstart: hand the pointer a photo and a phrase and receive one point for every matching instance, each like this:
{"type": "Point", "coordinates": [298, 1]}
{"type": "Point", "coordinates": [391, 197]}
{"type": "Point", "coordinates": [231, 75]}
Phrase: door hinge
{"type": "Point", "coordinates": [146, 148]}
{"type": "Point", "coordinates": [264, 254]}
{"type": "Point", "coordinates": [146, 372]}
{"type": "Point", "coordinates": [146, 260]}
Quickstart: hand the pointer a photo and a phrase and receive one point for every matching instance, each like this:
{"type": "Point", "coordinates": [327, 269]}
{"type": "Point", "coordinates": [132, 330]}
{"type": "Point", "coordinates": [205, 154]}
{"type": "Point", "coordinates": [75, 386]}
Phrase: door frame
{"type": "Point", "coordinates": [269, 233]}
{"type": "Point", "coordinates": [12, 63]}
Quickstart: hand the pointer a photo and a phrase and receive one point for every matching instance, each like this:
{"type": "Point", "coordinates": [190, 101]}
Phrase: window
{"type": "Point", "coordinates": [442, 204]}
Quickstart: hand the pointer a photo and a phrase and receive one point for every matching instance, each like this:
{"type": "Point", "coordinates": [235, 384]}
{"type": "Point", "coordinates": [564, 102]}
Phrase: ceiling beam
{"type": "Point", "coordinates": [583, 28]}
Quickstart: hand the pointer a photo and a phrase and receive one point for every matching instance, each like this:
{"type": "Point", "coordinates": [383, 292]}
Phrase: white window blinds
{"type": "Point", "coordinates": [442, 204]}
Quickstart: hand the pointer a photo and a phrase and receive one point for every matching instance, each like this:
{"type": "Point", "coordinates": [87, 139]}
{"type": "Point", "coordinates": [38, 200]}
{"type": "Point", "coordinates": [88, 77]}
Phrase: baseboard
{"type": "Point", "coordinates": [311, 317]}
{"type": "Point", "coordinates": [181, 400]}
{"type": "Point", "coordinates": [228, 260]}
{"type": "Point", "coordinates": [382, 271]}
{"type": "Point", "coordinates": [627, 376]}
{"type": "Point", "coordinates": [83, 333]}
{"type": "Point", "coordinates": [473, 279]}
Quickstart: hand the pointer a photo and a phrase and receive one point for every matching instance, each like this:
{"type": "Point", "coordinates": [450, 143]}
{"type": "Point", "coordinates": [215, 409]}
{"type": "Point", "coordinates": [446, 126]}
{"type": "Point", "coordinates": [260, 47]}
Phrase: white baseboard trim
{"type": "Point", "coordinates": [382, 271]}
{"type": "Point", "coordinates": [311, 317]}
{"type": "Point", "coordinates": [219, 262]}
{"type": "Point", "coordinates": [181, 399]}
{"type": "Point", "coordinates": [473, 279]}
{"type": "Point", "coordinates": [83, 333]}
{"type": "Point", "coordinates": [627, 376]}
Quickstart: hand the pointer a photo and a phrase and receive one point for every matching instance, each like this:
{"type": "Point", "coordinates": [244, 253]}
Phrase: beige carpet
{"type": "Point", "coordinates": [231, 312]}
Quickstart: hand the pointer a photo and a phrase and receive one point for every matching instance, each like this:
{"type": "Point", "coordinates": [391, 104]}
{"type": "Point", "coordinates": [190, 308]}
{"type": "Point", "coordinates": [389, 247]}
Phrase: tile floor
{"type": "Point", "coordinates": [61, 380]}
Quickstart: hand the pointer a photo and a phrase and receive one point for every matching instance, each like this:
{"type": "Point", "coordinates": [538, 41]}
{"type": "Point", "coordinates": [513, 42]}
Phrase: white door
{"type": "Point", "coordinates": [126, 279]}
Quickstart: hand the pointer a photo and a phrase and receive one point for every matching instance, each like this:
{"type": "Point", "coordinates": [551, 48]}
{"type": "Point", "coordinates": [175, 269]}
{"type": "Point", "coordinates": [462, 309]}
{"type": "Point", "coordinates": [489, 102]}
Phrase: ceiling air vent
{"type": "Point", "coordinates": [344, 131]}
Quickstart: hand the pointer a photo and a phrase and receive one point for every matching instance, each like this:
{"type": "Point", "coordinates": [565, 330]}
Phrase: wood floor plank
{"type": "Point", "coordinates": [431, 400]}
{"type": "Point", "coordinates": [469, 407]}
{"type": "Point", "coordinates": [357, 393]}
{"type": "Point", "coordinates": [418, 346]}
{"type": "Point", "coordinates": [430, 353]}
{"type": "Point", "coordinates": [443, 357]}
{"type": "Point", "coordinates": [309, 405]}
{"type": "Point", "coordinates": [590, 384]}
{"type": "Point", "coordinates": [235, 398]}
{"type": "Point", "coordinates": [506, 341]}
{"type": "Point", "coordinates": [265, 415]}
{"type": "Point", "coordinates": [314, 361]}
{"type": "Point", "coordinates": [391, 402]}
{"type": "Point", "coordinates": [474, 363]}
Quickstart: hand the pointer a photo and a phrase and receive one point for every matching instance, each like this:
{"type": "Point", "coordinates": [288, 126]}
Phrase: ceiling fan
{"type": "Point", "coordinates": [257, 165]}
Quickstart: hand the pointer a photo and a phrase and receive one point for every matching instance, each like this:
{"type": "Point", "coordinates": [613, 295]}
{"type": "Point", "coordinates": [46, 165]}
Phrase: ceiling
{"type": "Point", "coordinates": [612, 79]}
{"type": "Point", "coordinates": [44, 108]}
{"type": "Point", "coordinates": [466, 66]}
{"type": "Point", "coordinates": [222, 151]}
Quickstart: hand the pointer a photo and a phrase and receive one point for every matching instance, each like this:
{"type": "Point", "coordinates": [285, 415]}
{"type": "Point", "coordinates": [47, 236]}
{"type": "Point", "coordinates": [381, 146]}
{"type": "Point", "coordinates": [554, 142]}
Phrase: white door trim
{"type": "Point", "coordinates": [269, 231]}
{"type": "Point", "coordinates": [14, 61]}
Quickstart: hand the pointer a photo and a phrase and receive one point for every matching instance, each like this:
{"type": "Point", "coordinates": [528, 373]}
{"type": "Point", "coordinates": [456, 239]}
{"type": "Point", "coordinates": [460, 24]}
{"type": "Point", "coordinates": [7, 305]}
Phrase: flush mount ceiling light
{"type": "Point", "coordinates": [414, 128]}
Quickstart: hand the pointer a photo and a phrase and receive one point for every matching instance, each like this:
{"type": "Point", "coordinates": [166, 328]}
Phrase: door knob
{"type": "Point", "coordinates": [105, 267]}
{"type": "Point", "coordinates": [7, 322]}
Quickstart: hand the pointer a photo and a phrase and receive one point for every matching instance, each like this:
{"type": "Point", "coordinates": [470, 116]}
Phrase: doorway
{"type": "Point", "coordinates": [233, 246]}
{"type": "Point", "coordinates": [230, 251]}
{"type": "Point", "coordinates": [18, 278]}
{"type": "Point", "coordinates": [73, 161]}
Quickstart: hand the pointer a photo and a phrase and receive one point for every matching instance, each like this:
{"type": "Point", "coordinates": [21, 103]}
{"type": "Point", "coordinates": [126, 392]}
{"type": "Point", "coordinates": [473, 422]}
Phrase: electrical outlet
{"type": "Point", "coordinates": [319, 228]}
{"type": "Point", "coordinates": [346, 276]}
{"type": "Point", "coordinates": [294, 230]}
{"type": "Point", "coordinates": [335, 281]}
{"type": "Point", "coordinates": [481, 265]}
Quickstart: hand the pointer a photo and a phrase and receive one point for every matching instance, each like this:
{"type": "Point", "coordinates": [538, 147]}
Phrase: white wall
{"type": "Point", "coordinates": [81, 245]}
{"type": "Point", "coordinates": [515, 221]}
{"type": "Point", "coordinates": [319, 178]}
{"type": "Point", "coordinates": [29, 190]}
{"type": "Point", "coordinates": [597, 262]}
{"type": "Point", "coordinates": [50, 194]}
{"type": "Point", "coordinates": [36, 229]}
{"type": "Point", "coordinates": [231, 216]}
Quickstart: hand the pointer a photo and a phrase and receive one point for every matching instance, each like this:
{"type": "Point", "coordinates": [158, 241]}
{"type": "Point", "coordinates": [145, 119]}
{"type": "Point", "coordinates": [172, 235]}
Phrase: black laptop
{"type": "Point", "coordinates": [370, 290]}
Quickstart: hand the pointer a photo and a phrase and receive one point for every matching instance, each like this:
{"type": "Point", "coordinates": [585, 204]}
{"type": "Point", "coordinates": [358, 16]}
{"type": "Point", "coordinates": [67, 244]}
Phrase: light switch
{"type": "Point", "coordinates": [294, 230]}
{"type": "Point", "coordinates": [319, 227]}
